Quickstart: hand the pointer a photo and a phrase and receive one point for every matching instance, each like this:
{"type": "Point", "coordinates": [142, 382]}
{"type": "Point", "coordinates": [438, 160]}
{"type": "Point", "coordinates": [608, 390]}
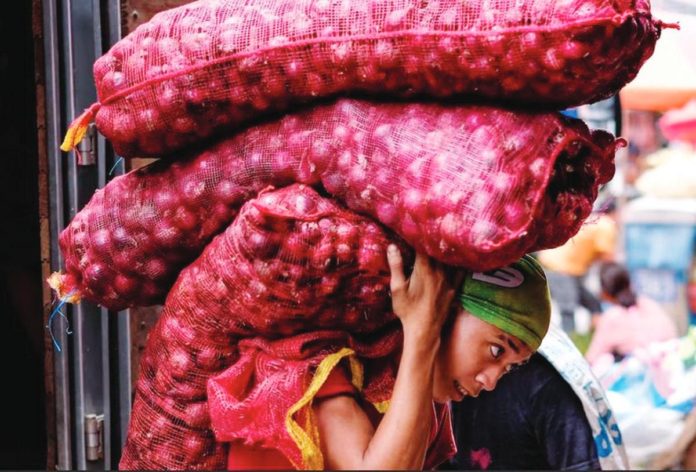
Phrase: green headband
{"type": "Point", "coordinates": [514, 298]}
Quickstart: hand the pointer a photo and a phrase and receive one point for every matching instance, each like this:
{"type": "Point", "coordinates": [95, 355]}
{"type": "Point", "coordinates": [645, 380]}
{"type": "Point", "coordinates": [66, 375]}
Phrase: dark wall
{"type": "Point", "coordinates": [22, 410]}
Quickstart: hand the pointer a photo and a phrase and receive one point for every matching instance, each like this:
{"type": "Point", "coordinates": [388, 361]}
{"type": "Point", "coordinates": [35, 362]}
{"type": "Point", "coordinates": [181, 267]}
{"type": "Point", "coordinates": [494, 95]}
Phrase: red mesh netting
{"type": "Point", "coordinates": [212, 65]}
{"type": "Point", "coordinates": [282, 370]}
{"type": "Point", "coordinates": [471, 186]}
{"type": "Point", "coordinates": [237, 289]}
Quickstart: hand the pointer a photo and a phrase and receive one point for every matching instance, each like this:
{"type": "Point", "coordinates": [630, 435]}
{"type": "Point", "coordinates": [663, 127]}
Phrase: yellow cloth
{"type": "Point", "coordinates": [596, 240]}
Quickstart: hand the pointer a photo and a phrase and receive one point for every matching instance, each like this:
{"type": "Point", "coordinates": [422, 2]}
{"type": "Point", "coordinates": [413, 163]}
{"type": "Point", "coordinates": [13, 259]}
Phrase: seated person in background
{"type": "Point", "coordinates": [567, 266]}
{"type": "Point", "coordinates": [631, 322]}
{"type": "Point", "coordinates": [535, 419]}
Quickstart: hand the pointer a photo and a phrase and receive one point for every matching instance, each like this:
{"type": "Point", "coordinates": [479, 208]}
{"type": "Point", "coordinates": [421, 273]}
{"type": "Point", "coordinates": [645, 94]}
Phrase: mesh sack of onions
{"type": "Point", "coordinates": [472, 186]}
{"type": "Point", "coordinates": [294, 278]}
{"type": "Point", "coordinates": [211, 65]}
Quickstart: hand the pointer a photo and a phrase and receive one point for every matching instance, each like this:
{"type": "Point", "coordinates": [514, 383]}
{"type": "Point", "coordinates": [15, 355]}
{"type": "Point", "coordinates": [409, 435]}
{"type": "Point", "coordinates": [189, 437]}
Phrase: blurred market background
{"type": "Point", "coordinates": [70, 410]}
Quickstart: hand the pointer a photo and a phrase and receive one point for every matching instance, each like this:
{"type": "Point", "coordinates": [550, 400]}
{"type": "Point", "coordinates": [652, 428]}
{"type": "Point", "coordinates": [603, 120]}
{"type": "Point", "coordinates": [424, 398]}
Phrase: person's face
{"type": "Point", "coordinates": [473, 357]}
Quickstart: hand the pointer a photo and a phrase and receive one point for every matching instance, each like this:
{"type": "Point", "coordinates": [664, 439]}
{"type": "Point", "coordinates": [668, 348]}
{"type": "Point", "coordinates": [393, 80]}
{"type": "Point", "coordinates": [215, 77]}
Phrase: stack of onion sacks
{"type": "Point", "coordinates": [472, 186]}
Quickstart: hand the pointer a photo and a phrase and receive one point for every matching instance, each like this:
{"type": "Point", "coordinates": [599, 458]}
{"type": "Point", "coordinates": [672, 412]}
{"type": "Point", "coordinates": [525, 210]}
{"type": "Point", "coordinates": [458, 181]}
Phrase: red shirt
{"type": "Point", "coordinates": [242, 457]}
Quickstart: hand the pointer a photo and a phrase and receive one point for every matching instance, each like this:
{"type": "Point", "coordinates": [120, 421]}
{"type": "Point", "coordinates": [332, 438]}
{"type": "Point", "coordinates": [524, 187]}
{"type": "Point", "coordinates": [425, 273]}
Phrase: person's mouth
{"type": "Point", "coordinates": [461, 391]}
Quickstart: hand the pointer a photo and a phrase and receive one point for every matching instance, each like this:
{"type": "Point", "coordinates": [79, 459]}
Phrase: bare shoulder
{"type": "Point", "coordinates": [345, 431]}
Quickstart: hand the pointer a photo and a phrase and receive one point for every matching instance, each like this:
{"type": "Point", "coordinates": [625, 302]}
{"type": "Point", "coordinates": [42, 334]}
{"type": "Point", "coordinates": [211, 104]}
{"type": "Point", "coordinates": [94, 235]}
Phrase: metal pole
{"type": "Point", "coordinates": [53, 134]}
{"type": "Point", "coordinates": [82, 180]}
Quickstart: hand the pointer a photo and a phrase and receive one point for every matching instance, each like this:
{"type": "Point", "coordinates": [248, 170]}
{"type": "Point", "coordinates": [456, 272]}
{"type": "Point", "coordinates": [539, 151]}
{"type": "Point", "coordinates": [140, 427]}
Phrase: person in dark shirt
{"type": "Point", "coordinates": [532, 420]}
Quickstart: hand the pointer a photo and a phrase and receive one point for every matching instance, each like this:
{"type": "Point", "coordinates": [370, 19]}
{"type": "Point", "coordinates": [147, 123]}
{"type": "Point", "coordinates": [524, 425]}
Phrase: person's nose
{"type": "Point", "coordinates": [488, 378]}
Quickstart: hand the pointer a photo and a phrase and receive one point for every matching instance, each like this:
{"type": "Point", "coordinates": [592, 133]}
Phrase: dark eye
{"type": "Point", "coordinates": [496, 351]}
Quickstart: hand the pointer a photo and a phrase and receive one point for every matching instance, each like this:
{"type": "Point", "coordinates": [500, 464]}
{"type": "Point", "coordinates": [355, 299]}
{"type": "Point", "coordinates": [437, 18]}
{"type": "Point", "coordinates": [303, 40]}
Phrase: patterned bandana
{"type": "Point", "coordinates": [514, 298]}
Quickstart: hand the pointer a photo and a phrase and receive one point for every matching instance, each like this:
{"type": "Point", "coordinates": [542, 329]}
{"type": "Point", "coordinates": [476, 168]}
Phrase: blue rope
{"type": "Point", "coordinates": [57, 311]}
{"type": "Point", "coordinates": [115, 164]}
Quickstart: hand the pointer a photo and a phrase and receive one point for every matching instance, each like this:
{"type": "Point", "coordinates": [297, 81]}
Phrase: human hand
{"type": "Point", "coordinates": [424, 300]}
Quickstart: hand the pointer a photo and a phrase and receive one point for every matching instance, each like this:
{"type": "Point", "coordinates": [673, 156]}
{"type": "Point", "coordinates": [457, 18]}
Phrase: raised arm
{"type": "Point", "coordinates": [400, 441]}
